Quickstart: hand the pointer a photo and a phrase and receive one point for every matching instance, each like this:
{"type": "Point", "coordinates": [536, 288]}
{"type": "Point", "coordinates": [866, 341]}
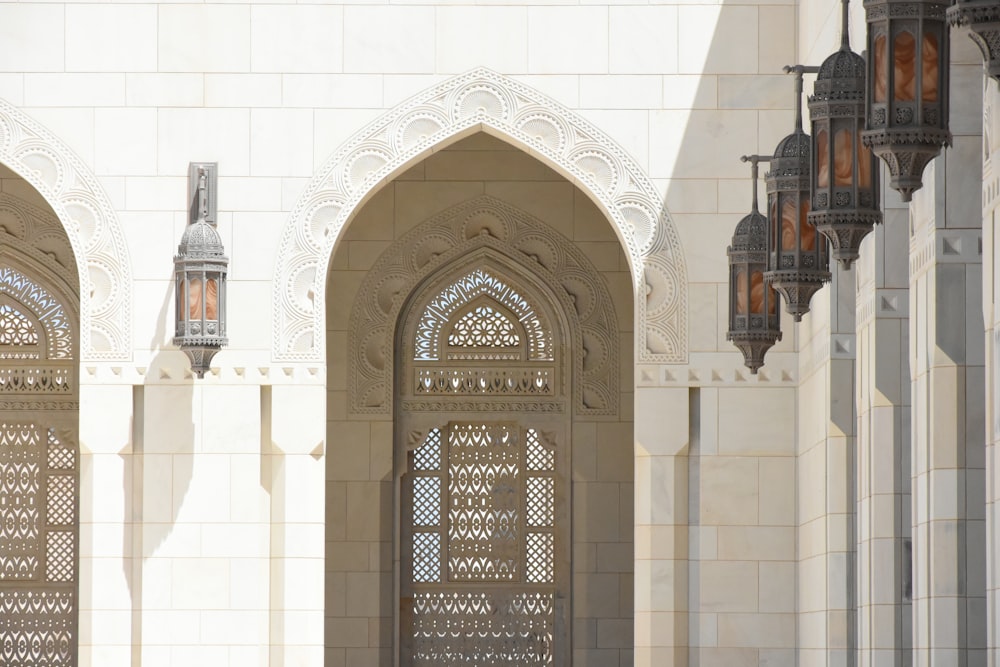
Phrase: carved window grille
{"type": "Point", "coordinates": [39, 477]}
{"type": "Point", "coordinates": [484, 520]}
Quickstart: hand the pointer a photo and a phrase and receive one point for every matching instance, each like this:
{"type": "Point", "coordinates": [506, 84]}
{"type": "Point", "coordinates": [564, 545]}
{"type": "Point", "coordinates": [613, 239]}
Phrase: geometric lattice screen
{"type": "Point", "coordinates": [483, 516]}
{"type": "Point", "coordinates": [481, 522]}
{"type": "Point", "coordinates": [39, 478]}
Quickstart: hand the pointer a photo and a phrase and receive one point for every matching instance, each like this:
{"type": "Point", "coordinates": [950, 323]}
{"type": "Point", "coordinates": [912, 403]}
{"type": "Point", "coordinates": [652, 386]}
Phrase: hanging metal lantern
{"type": "Point", "coordinates": [754, 320]}
{"type": "Point", "coordinates": [907, 102]}
{"type": "Point", "coordinates": [200, 269]}
{"type": "Point", "coordinates": [797, 254]}
{"type": "Point", "coordinates": [845, 183]}
{"type": "Point", "coordinates": [982, 18]}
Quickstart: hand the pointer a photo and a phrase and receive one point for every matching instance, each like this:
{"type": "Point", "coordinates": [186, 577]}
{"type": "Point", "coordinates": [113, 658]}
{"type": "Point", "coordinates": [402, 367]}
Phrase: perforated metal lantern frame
{"type": "Point", "coordinates": [754, 320]}
{"type": "Point", "coordinates": [200, 270]}
{"type": "Point", "coordinates": [798, 261]}
{"type": "Point", "coordinates": [982, 18]}
{"type": "Point", "coordinates": [844, 172]}
{"type": "Point", "coordinates": [907, 101]}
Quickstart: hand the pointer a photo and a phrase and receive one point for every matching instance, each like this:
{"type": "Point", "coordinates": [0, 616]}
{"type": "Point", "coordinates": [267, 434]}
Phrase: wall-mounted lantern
{"type": "Point", "coordinates": [754, 320]}
{"type": "Point", "coordinates": [200, 269]}
{"type": "Point", "coordinates": [907, 102]}
{"type": "Point", "coordinates": [982, 18]}
{"type": "Point", "coordinates": [845, 182]}
{"type": "Point", "coordinates": [798, 263]}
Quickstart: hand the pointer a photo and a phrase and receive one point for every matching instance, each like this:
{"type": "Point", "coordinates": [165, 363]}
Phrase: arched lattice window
{"type": "Point", "coordinates": [484, 518]}
{"type": "Point", "coordinates": [39, 476]}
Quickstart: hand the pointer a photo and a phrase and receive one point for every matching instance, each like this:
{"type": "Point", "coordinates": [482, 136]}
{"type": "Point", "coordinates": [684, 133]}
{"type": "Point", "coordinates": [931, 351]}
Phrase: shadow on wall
{"type": "Point", "coordinates": [159, 464]}
{"type": "Point", "coordinates": [729, 98]}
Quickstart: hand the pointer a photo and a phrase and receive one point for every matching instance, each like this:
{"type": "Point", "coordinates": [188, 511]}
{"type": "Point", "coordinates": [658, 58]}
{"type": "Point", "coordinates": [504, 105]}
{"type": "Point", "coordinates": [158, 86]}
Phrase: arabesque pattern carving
{"type": "Point", "coordinates": [561, 138]}
{"type": "Point", "coordinates": [39, 473]}
{"type": "Point", "coordinates": [492, 225]}
{"type": "Point", "coordinates": [89, 221]}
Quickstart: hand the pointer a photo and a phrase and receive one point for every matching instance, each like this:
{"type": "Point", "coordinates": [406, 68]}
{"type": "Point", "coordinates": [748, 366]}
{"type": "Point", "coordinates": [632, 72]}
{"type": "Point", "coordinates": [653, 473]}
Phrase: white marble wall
{"type": "Point", "coordinates": [270, 91]}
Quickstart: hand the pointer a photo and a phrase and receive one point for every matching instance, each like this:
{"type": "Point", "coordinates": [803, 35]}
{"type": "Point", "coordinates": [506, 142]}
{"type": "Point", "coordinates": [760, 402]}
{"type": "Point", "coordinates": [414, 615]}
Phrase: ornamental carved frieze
{"type": "Point", "coordinates": [521, 245]}
{"type": "Point", "coordinates": [481, 100]}
{"type": "Point", "coordinates": [95, 235]}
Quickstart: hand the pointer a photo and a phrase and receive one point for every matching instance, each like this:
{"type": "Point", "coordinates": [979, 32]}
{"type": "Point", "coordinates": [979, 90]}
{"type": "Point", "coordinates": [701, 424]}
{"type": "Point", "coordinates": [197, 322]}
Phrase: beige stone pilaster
{"type": "Point", "coordinates": [884, 589]}
{"type": "Point", "coordinates": [947, 373]}
{"type": "Point", "coordinates": [294, 432]}
{"type": "Point", "coordinates": [661, 531]}
{"type": "Point", "coordinates": [110, 529]}
{"type": "Point", "coordinates": [991, 317]}
{"type": "Point", "coordinates": [826, 441]}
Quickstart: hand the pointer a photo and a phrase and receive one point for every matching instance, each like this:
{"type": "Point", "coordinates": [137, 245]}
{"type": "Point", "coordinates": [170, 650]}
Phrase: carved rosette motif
{"type": "Point", "coordinates": [525, 244]}
{"type": "Point", "coordinates": [481, 100]}
{"type": "Point", "coordinates": [95, 236]}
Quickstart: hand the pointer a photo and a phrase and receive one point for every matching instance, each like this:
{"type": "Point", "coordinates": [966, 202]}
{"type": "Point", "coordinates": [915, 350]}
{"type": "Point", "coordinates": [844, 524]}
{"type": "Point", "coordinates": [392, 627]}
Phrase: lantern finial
{"type": "Point", "coordinates": [845, 20]}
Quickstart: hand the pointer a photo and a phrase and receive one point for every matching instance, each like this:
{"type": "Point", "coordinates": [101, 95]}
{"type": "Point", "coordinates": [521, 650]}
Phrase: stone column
{"type": "Point", "coordinates": [293, 417]}
{"type": "Point", "coordinates": [947, 374]}
{"type": "Point", "coordinates": [661, 515]}
{"type": "Point", "coordinates": [825, 465]}
{"type": "Point", "coordinates": [991, 315]}
{"type": "Point", "coordinates": [884, 588]}
{"type": "Point", "coordinates": [110, 529]}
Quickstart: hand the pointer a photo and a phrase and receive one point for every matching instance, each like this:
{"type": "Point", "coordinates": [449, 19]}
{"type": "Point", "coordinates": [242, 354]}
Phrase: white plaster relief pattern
{"type": "Point", "coordinates": [485, 100]}
{"type": "Point", "coordinates": [483, 222]}
{"type": "Point", "coordinates": [104, 276]}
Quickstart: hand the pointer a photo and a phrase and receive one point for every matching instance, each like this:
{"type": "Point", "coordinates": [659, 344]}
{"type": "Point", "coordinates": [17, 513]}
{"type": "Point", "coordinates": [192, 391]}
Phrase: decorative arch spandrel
{"type": "Point", "coordinates": [481, 100]}
{"type": "Point", "coordinates": [103, 267]}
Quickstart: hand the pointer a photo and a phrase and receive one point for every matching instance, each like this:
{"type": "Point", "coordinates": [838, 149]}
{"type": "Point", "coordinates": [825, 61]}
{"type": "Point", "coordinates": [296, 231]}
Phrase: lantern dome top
{"type": "Point", "coordinates": [201, 239]}
{"type": "Point", "coordinates": [795, 145]}
{"type": "Point", "coordinates": [750, 234]}
{"type": "Point", "coordinates": [841, 77]}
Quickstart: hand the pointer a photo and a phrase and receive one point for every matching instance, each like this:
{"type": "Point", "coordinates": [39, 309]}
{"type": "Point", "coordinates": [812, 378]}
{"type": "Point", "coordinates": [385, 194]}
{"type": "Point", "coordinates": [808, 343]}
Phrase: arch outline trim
{"type": "Point", "coordinates": [487, 101]}
{"type": "Point", "coordinates": [90, 222]}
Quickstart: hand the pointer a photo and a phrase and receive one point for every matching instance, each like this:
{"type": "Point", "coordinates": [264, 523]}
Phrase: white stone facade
{"type": "Point", "coordinates": [838, 508]}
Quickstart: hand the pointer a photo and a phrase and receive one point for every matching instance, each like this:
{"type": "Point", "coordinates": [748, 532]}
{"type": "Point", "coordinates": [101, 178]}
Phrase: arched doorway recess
{"type": "Point", "coordinates": [457, 224]}
{"type": "Point", "coordinates": [39, 450]}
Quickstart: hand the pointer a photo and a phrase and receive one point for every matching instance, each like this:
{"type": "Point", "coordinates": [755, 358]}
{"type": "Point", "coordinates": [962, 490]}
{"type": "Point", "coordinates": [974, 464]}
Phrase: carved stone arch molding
{"type": "Point", "coordinates": [95, 235]}
{"type": "Point", "coordinates": [487, 101]}
{"type": "Point", "coordinates": [473, 235]}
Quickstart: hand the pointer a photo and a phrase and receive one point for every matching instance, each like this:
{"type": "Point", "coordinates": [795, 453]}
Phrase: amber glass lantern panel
{"type": "Point", "coordinates": [742, 292]}
{"type": "Point", "coordinates": [864, 164]}
{"type": "Point", "coordinates": [930, 70]}
{"type": "Point", "coordinates": [843, 158]}
{"type": "Point", "coordinates": [881, 69]}
{"type": "Point", "coordinates": [822, 158]}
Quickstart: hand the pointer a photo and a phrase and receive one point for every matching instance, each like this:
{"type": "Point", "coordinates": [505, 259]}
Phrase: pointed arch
{"type": "Point", "coordinates": [93, 229]}
{"type": "Point", "coordinates": [481, 100]}
{"type": "Point", "coordinates": [488, 234]}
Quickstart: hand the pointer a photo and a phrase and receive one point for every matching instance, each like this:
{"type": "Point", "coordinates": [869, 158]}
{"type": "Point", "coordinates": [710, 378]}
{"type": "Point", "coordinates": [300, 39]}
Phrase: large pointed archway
{"type": "Point", "coordinates": [485, 101]}
{"type": "Point", "coordinates": [94, 233]}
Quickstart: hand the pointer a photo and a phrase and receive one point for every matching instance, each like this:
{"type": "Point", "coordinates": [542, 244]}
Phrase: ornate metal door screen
{"type": "Point", "coordinates": [481, 525]}
{"type": "Point", "coordinates": [39, 477]}
{"type": "Point", "coordinates": [483, 520]}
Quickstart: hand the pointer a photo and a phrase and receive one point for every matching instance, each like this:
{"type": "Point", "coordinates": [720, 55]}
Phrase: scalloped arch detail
{"type": "Point", "coordinates": [95, 234]}
{"type": "Point", "coordinates": [481, 100]}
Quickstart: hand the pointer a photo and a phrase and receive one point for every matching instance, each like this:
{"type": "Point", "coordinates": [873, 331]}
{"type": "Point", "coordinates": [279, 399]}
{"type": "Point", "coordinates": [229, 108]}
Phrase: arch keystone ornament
{"type": "Point", "coordinates": [481, 100]}
{"type": "Point", "coordinates": [94, 232]}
